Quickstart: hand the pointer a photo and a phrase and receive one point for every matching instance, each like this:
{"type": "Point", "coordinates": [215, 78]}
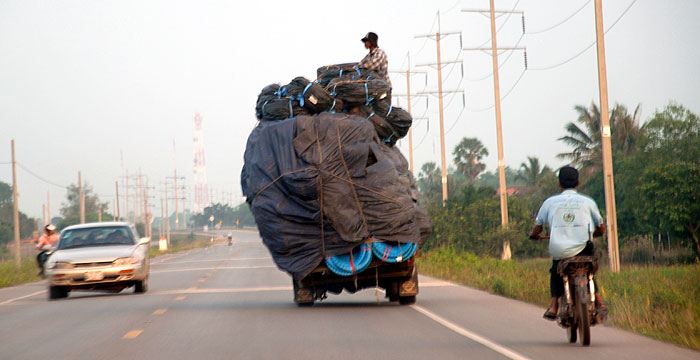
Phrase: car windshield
{"type": "Point", "coordinates": [96, 236]}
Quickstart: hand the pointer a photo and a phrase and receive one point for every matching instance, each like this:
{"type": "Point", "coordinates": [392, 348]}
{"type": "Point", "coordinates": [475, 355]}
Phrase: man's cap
{"type": "Point", "coordinates": [50, 227]}
{"type": "Point", "coordinates": [371, 37]}
{"type": "Point", "coordinates": [568, 176]}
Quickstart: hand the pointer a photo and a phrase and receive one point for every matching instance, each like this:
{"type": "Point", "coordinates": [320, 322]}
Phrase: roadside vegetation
{"type": "Point", "coordinates": [657, 172]}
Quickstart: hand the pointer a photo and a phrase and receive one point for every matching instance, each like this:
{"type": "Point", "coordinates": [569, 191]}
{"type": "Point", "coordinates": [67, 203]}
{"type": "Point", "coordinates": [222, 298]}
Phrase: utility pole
{"type": "Point", "coordinates": [408, 100]}
{"type": "Point", "coordinates": [438, 36]}
{"type": "Point", "coordinates": [126, 197]}
{"type": "Point", "coordinates": [116, 185]}
{"type": "Point", "coordinates": [167, 216]}
{"type": "Point", "coordinates": [48, 207]}
{"type": "Point", "coordinates": [114, 209]}
{"type": "Point", "coordinates": [501, 163]}
{"type": "Point", "coordinates": [610, 210]}
{"type": "Point", "coordinates": [43, 215]}
{"type": "Point", "coordinates": [177, 207]}
{"type": "Point", "coordinates": [81, 195]}
{"type": "Point", "coordinates": [502, 188]}
{"type": "Point", "coordinates": [15, 205]}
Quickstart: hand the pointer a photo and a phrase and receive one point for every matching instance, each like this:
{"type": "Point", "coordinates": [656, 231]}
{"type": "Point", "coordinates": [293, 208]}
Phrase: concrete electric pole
{"type": "Point", "coordinates": [438, 36]}
{"type": "Point", "coordinates": [610, 210]}
{"type": "Point", "coordinates": [15, 206]}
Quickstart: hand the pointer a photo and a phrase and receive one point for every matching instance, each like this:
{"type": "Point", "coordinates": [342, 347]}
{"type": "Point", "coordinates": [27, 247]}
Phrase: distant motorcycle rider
{"type": "Point", "coordinates": [574, 220]}
{"type": "Point", "coordinates": [48, 238]}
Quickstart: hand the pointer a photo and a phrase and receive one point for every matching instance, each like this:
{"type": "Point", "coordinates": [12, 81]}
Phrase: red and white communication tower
{"type": "Point", "coordinates": [201, 188]}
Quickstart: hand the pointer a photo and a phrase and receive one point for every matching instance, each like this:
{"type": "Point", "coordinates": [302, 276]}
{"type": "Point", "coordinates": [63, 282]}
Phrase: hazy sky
{"type": "Point", "coordinates": [82, 80]}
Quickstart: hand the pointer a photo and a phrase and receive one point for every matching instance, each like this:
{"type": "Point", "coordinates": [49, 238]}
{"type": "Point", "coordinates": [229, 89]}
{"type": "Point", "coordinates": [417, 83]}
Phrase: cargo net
{"type": "Point", "coordinates": [342, 88]}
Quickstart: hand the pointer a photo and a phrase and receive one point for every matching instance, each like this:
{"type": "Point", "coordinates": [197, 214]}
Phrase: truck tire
{"type": "Point", "coordinates": [57, 292]}
{"type": "Point", "coordinates": [303, 296]}
{"type": "Point", "coordinates": [407, 300]}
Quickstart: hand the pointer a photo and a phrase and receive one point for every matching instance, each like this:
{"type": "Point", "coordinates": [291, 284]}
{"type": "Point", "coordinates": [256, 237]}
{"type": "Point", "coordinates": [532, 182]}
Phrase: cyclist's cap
{"type": "Point", "coordinates": [50, 227]}
{"type": "Point", "coordinates": [568, 176]}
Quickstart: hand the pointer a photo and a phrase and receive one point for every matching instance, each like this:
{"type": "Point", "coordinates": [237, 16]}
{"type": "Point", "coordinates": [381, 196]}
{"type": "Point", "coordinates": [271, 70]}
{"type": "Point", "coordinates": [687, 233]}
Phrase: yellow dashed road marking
{"type": "Point", "coordinates": [200, 280]}
{"type": "Point", "coordinates": [180, 298]}
{"type": "Point", "coordinates": [132, 334]}
{"type": "Point", "coordinates": [193, 288]}
{"type": "Point", "coordinates": [160, 311]}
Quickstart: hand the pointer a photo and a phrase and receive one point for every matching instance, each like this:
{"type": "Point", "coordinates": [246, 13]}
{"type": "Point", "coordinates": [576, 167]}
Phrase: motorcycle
{"type": "Point", "coordinates": [577, 309]}
{"type": "Point", "coordinates": [230, 239]}
{"type": "Point", "coordinates": [44, 253]}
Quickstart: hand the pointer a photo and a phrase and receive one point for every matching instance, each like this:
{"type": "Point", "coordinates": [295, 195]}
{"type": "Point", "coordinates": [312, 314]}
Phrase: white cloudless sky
{"type": "Point", "coordinates": [83, 81]}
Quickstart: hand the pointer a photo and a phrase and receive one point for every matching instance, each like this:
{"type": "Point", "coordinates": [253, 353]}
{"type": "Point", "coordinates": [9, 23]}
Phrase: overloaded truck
{"type": "Point", "coordinates": [333, 198]}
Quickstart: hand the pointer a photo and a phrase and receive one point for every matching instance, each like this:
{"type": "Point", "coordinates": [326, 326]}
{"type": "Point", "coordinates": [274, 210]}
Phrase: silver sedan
{"type": "Point", "coordinates": [98, 256]}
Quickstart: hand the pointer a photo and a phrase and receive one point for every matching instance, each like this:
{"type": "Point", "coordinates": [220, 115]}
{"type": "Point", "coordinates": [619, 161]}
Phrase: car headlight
{"type": "Point", "coordinates": [126, 261]}
{"type": "Point", "coordinates": [60, 265]}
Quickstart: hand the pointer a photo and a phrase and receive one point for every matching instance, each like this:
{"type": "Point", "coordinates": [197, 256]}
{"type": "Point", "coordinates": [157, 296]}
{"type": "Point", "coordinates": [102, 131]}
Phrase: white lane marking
{"type": "Point", "coordinates": [170, 258]}
{"type": "Point", "coordinates": [436, 284]}
{"type": "Point", "coordinates": [216, 268]}
{"type": "Point", "coordinates": [222, 290]}
{"type": "Point", "coordinates": [22, 297]}
{"type": "Point", "coordinates": [468, 334]}
{"type": "Point", "coordinates": [214, 260]}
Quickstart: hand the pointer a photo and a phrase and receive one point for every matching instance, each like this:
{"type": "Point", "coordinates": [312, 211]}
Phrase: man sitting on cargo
{"type": "Point", "coordinates": [376, 60]}
{"type": "Point", "coordinates": [572, 217]}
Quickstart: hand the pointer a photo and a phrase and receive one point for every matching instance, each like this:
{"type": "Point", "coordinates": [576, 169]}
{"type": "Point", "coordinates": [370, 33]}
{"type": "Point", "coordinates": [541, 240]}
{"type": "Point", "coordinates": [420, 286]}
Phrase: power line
{"type": "Point", "coordinates": [40, 177]}
{"type": "Point", "coordinates": [490, 74]}
{"type": "Point", "coordinates": [561, 22]}
{"type": "Point", "coordinates": [587, 47]}
{"type": "Point", "coordinates": [504, 96]}
{"type": "Point", "coordinates": [502, 24]}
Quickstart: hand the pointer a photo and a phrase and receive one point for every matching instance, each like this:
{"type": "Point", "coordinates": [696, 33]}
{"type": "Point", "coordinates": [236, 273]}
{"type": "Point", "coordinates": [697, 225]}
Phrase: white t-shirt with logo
{"type": "Point", "coordinates": [572, 218]}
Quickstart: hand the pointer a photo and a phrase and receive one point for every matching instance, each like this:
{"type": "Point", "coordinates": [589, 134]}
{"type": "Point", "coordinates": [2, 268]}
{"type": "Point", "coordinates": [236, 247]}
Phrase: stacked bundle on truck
{"type": "Point", "coordinates": [322, 174]}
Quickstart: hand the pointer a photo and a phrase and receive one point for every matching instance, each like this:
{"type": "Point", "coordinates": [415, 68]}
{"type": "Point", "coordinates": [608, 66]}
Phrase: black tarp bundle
{"type": "Point", "coordinates": [320, 185]}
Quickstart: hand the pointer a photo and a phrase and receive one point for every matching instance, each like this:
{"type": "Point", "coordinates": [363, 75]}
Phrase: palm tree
{"type": "Point", "coordinates": [428, 181]}
{"type": "Point", "coordinates": [531, 172]}
{"type": "Point", "coordinates": [586, 140]}
{"type": "Point", "coordinates": [467, 156]}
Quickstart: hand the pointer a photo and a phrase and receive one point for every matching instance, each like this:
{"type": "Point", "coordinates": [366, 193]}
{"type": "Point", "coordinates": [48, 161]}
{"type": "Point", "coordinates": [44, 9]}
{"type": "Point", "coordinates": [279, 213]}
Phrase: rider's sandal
{"type": "Point", "coordinates": [550, 315]}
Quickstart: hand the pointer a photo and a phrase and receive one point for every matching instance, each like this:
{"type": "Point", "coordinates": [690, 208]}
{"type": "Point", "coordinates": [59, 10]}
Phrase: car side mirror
{"type": "Point", "coordinates": [145, 241]}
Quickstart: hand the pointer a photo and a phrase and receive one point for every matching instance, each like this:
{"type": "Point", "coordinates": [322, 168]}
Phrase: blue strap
{"type": "Point", "coordinates": [340, 74]}
{"type": "Point", "coordinates": [358, 71]}
{"type": "Point", "coordinates": [332, 110]}
{"type": "Point", "coordinates": [388, 140]}
{"type": "Point", "coordinates": [389, 112]}
{"type": "Point", "coordinates": [370, 115]}
{"type": "Point", "coordinates": [263, 107]}
{"type": "Point", "coordinates": [291, 109]}
{"type": "Point", "coordinates": [301, 96]}
{"type": "Point", "coordinates": [333, 93]}
{"type": "Point", "coordinates": [366, 95]}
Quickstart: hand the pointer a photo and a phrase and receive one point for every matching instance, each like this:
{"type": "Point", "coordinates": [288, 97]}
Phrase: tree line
{"type": "Point", "coordinates": [656, 175]}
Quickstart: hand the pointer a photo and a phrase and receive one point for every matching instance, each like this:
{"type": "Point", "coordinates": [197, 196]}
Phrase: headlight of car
{"type": "Point", "coordinates": [59, 265]}
{"type": "Point", "coordinates": [126, 261]}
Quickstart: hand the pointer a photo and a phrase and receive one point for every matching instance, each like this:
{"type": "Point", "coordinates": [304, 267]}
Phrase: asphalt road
{"type": "Point", "coordinates": [231, 302]}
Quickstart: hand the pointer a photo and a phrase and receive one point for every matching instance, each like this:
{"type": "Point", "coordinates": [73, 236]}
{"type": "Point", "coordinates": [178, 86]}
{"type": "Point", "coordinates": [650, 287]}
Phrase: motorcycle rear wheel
{"type": "Point", "coordinates": [583, 320]}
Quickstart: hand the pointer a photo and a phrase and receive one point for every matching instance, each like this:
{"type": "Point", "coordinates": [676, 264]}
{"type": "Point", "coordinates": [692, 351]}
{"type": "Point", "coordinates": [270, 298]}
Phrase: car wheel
{"type": "Point", "coordinates": [141, 286]}
{"type": "Point", "coordinates": [57, 292]}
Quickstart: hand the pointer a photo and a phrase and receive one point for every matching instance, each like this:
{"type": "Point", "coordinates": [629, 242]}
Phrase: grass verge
{"type": "Point", "coordinates": [28, 271]}
{"type": "Point", "coordinates": [656, 301]}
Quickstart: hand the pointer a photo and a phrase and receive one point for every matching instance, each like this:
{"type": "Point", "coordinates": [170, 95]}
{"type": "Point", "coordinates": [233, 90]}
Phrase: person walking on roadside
{"type": "Point", "coordinates": [574, 220]}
